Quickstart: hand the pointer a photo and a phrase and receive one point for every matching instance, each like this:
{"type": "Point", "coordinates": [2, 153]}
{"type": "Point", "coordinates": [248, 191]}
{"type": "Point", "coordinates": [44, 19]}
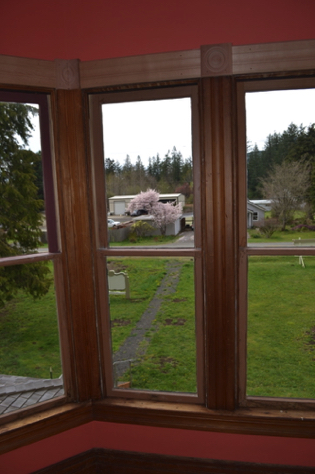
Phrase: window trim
{"type": "Point", "coordinates": [244, 86]}
{"type": "Point", "coordinates": [42, 100]}
{"type": "Point", "coordinates": [71, 144]}
{"type": "Point", "coordinates": [104, 250]}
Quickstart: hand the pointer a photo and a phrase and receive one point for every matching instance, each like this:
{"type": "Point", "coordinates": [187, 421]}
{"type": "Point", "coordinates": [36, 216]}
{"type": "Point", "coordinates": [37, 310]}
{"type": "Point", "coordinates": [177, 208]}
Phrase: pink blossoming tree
{"type": "Point", "coordinates": [163, 214]}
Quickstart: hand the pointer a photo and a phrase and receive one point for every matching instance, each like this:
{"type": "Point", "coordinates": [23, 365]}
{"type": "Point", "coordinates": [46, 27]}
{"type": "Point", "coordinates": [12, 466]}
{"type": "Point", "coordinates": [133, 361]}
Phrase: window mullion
{"type": "Point", "coordinates": [219, 240]}
{"type": "Point", "coordinates": [76, 245]}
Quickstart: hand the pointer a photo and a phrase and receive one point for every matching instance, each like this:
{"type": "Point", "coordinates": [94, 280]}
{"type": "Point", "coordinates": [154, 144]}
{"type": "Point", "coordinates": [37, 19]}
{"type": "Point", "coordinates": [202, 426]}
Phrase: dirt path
{"type": "Point", "coordinates": [133, 347]}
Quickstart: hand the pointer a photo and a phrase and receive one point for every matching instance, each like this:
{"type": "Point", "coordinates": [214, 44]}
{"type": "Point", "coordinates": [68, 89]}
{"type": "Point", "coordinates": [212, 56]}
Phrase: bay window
{"type": "Point", "coordinates": [198, 311]}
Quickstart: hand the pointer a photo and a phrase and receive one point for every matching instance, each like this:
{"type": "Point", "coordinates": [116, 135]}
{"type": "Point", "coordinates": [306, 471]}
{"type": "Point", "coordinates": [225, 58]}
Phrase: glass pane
{"type": "Point", "coordinates": [30, 365]}
{"type": "Point", "coordinates": [148, 146]}
{"type": "Point", "coordinates": [152, 313]}
{"type": "Point", "coordinates": [281, 327]}
{"type": "Point", "coordinates": [280, 161]}
{"type": "Point", "coordinates": [22, 215]}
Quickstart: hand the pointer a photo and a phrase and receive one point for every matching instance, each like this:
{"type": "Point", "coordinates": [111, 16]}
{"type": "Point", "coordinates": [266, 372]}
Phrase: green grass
{"type": "Point", "coordinates": [145, 241]}
{"type": "Point", "coordinates": [279, 236]}
{"type": "Point", "coordinates": [281, 325]}
{"type": "Point", "coordinates": [145, 275]}
{"type": "Point", "coordinates": [281, 328]}
{"type": "Point", "coordinates": [29, 337]}
{"type": "Point", "coordinates": [170, 361]}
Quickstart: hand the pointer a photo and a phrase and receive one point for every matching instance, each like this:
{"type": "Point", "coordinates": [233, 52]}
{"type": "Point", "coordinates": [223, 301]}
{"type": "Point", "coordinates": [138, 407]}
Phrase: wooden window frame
{"type": "Point", "coordinates": [68, 85]}
{"type": "Point", "coordinates": [53, 254]}
{"type": "Point", "coordinates": [104, 250]}
{"type": "Point", "coordinates": [243, 87]}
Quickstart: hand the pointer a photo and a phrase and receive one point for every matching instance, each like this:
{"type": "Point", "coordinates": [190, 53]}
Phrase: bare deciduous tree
{"type": "Point", "coordinates": [286, 186]}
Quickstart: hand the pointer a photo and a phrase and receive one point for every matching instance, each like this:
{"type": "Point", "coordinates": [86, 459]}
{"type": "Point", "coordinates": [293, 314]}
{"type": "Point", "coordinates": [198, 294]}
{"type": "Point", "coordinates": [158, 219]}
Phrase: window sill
{"type": "Point", "coordinates": [36, 426]}
{"type": "Point", "coordinates": [252, 421]}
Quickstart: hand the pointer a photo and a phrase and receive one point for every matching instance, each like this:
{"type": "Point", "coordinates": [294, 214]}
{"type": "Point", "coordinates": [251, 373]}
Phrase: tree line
{"type": "Point", "coordinates": [169, 174]}
{"type": "Point", "coordinates": [281, 152]}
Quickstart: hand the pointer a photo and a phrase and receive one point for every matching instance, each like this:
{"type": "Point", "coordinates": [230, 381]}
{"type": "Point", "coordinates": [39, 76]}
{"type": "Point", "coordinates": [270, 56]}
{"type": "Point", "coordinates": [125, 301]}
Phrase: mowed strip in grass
{"type": "Point", "coordinates": [145, 275]}
{"type": "Point", "coordinates": [169, 363]}
{"type": "Point", "coordinates": [29, 337]}
{"type": "Point", "coordinates": [281, 327]}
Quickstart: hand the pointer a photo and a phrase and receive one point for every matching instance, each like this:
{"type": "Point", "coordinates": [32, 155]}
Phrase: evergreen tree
{"type": "Point", "coordinates": [177, 166]}
{"type": "Point", "coordinates": [140, 174]}
{"type": "Point", "coordinates": [20, 206]}
{"type": "Point", "coordinates": [293, 144]}
{"type": "Point", "coordinates": [255, 171]}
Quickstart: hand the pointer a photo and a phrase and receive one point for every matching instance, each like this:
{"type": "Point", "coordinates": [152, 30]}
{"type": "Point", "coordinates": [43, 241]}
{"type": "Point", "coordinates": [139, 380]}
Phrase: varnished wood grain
{"type": "Point", "coordinates": [274, 57]}
{"type": "Point", "coordinates": [246, 59]}
{"type": "Point", "coordinates": [254, 421]}
{"type": "Point", "coordinates": [135, 69]}
{"type": "Point", "coordinates": [37, 426]}
{"type": "Point", "coordinates": [70, 146]}
{"type": "Point", "coordinates": [218, 150]}
{"type": "Point", "coordinates": [27, 72]}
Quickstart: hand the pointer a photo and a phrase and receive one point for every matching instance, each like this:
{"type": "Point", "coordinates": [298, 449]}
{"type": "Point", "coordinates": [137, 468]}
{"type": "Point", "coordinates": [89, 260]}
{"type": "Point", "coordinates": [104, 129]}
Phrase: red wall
{"type": "Point", "coordinates": [161, 441]}
{"type": "Point", "coordinates": [97, 29]}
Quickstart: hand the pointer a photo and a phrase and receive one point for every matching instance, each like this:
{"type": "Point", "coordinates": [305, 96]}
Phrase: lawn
{"type": "Point", "coordinates": [145, 275]}
{"type": "Point", "coordinates": [170, 360]}
{"type": "Point", "coordinates": [146, 241]}
{"type": "Point", "coordinates": [29, 337]}
{"type": "Point", "coordinates": [281, 327]}
{"type": "Point", "coordinates": [279, 236]}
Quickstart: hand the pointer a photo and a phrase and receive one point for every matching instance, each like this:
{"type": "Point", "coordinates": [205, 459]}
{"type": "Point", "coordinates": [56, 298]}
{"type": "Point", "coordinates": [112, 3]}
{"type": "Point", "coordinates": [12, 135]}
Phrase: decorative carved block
{"type": "Point", "coordinates": [216, 60]}
{"type": "Point", "coordinates": [67, 74]}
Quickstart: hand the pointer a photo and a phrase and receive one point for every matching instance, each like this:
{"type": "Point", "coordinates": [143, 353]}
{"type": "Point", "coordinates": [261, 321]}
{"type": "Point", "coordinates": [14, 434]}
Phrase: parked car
{"type": "Point", "coordinates": [139, 212]}
{"type": "Point", "coordinates": [112, 223]}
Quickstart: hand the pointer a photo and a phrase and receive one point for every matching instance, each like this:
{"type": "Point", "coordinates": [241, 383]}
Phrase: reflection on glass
{"type": "Point", "coordinates": [30, 365]}
{"type": "Point", "coordinates": [152, 314]}
{"type": "Point", "coordinates": [280, 150]}
{"type": "Point", "coordinates": [281, 327]}
{"type": "Point", "coordinates": [148, 171]}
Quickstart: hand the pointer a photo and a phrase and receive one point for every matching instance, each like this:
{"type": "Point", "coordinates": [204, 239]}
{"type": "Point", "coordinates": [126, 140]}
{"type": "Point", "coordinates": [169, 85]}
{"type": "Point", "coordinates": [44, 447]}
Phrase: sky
{"type": "Point", "coordinates": [34, 141]}
{"type": "Point", "coordinates": [150, 127]}
{"type": "Point", "coordinates": [146, 128]}
{"type": "Point", "coordinates": [273, 111]}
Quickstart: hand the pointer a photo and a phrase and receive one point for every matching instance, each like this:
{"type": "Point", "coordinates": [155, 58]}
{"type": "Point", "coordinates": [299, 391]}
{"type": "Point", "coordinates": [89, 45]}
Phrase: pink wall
{"type": "Point", "coordinates": [97, 29]}
{"type": "Point", "coordinates": [261, 449]}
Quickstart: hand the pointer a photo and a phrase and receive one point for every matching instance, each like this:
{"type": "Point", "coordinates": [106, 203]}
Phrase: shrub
{"type": "Point", "coordinates": [142, 228]}
{"type": "Point", "coordinates": [304, 227]}
{"type": "Point", "coordinates": [268, 230]}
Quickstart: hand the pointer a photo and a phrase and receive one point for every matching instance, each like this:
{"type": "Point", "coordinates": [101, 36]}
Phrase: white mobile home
{"type": "Point", "coordinates": [117, 205]}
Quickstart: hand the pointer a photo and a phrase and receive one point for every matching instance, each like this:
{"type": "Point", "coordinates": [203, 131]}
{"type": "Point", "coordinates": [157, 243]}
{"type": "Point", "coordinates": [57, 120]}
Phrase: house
{"type": "Point", "coordinates": [118, 204]}
{"type": "Point", "coordinates": [264, 203]}
{"type": "Point", "coordinates": [171, 229]}
{"type": "Point", "coordinates": [120, 44]}
{"type": "Point", "coordinates": [255, 214]}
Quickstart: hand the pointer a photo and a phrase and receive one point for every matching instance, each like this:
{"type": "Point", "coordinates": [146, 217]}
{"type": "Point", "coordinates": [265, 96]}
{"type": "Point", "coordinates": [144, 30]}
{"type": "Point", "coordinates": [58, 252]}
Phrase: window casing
{"type": "Point", "coordinates": [222, 202]}
{"type": "Point", "coordinates": [104, 250]}
{"type": "Point", "coordinates": [41, 100]}
{"type": "Point", "coordinates": [246, 251]}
